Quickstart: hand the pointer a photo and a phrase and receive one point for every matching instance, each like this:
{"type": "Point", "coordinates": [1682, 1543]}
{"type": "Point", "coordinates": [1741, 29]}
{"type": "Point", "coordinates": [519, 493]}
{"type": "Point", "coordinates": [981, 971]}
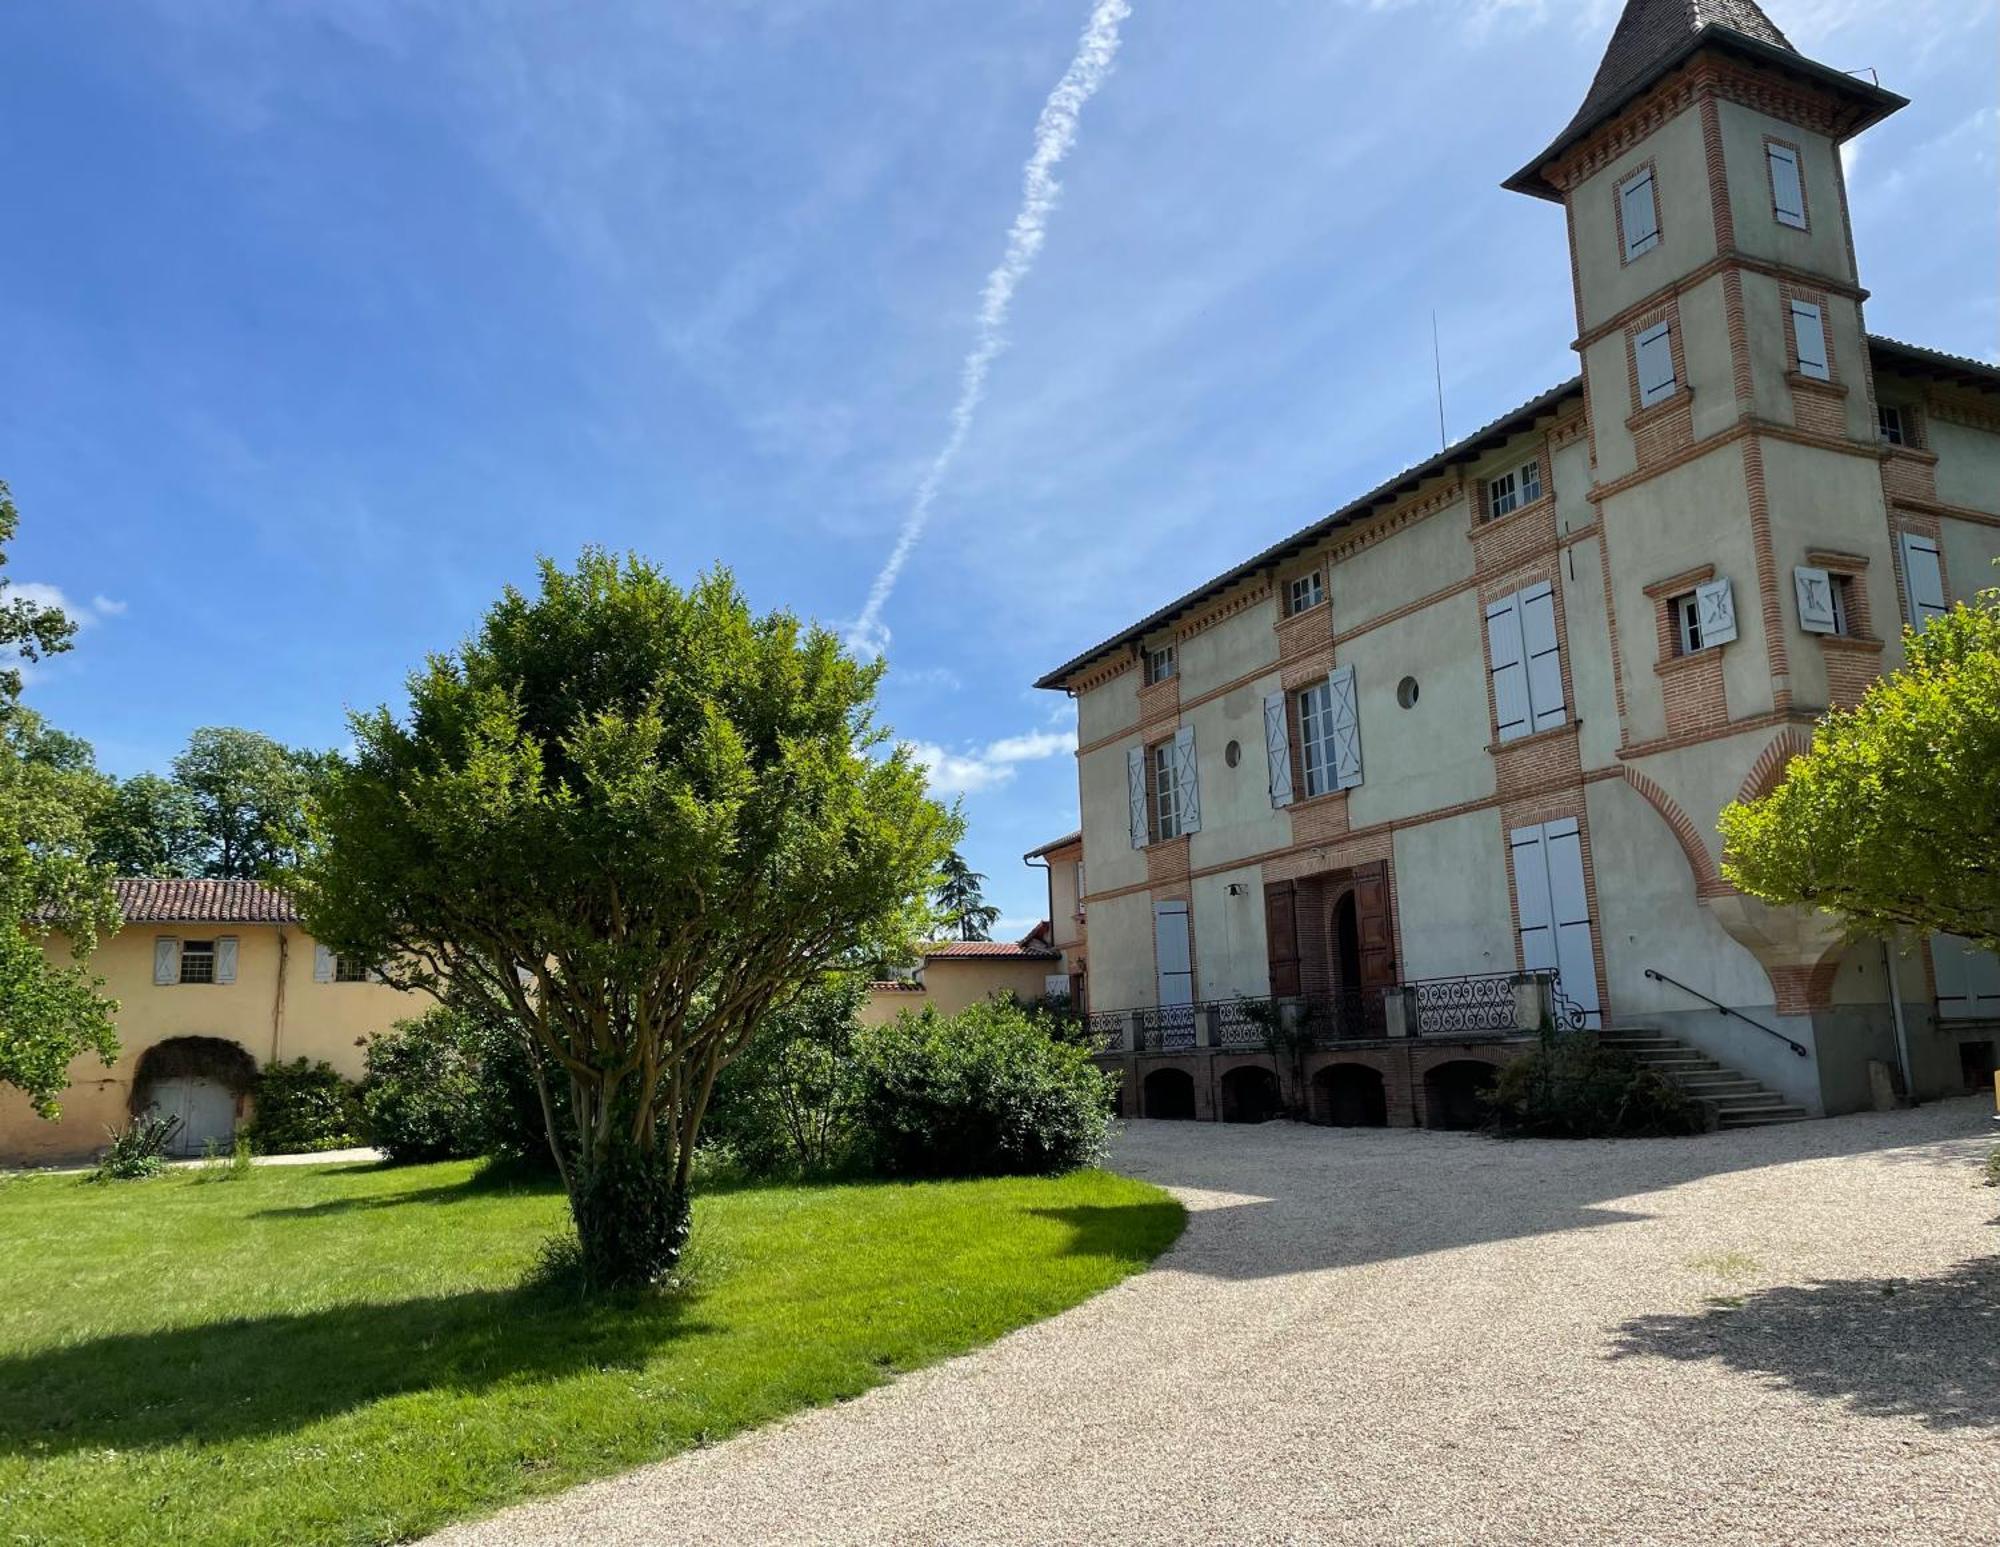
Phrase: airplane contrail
{"type": "Point", "coordinates": [1055, 133]}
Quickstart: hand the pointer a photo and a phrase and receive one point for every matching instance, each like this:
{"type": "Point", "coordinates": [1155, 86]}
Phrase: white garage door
{"type": "Point", "coordinates": [206, 1108]}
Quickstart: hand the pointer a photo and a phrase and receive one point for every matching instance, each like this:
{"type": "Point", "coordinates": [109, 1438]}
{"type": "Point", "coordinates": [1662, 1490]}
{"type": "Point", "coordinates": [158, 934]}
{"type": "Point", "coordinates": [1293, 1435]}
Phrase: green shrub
{"type": "Point", "coordinates": [786, 1105]}
{"type": "Point", "coordinates": [304, 1107]}
{"type": "Point", "coordinates": [139, 1149]}
{"type": "Point", "coordinates": [511, 1122]}
{"type": "Point", "coordinates": [421, 1097]}
{"type": "Point", "coordinates": [987, 1092]}
{"type": "Point", "coordinates": [1573, 1087]}
{"type": "Point", "coordinates": [1993, 1168]}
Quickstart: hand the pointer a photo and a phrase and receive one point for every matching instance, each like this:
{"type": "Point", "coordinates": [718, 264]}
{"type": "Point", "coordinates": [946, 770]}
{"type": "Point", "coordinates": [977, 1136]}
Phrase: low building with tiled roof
{"type": "Point", "coordinates": [213, 978]}
{"type": "Point", "coordinates": [952, 974]}
{"type": "Point", "coordinates": [1478, 723]}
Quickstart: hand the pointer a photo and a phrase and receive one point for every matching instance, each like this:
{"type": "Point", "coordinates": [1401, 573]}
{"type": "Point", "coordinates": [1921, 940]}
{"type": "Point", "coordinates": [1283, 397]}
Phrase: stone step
{"type": "Point", "coordinates": [1738, 1100]}
{"type": "Point", "coordinates": [1761, 1116]}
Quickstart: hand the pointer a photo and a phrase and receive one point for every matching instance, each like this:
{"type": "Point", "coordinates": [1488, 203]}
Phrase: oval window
{"type": "Point", "coordinates": [1406, 692]}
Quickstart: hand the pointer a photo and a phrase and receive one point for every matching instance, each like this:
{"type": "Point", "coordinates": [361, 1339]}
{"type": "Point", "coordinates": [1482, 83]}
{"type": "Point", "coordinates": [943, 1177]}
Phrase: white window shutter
{"type": "Point", "coordinates": [322, 964]}
{"type": "Point", "coordinates": [1788, 194]}
{"type": "Point", "coordinates": [1187, 782]}
{"type": "Point", "coordinates": [1278, 748]}
{"type": "Point", "coordinates": [1511, 709]}
{"type": "Point", "coordinates": [1135, 779]}
{"type": "Point", "coordinates": [1531, 899]}
{"type": "Point", "coordinates": [1569, 910]}
{"type": "Point", "coordinates": [1715, 607]}
{"type": "Point", "coordinates": [1653, 352]}
{"type": "Point", "coordinates": [1923, 580]}
{"type": "Point", "coordinates": [1951, 968]}
{"type": "Point", "coordinates": [1641, 215]}
{"type": "Point", "coordinates": [1346, 728]}
{"type": "Point", "coordinates": [1056, 986]}
{"type": "Point", "coordinates": [225, 959]}
{"type": "Point", "coordinates": [1815, 592]}
{"type": "Point", "coordinates": [1544, 656]}
{"type": "Point", "coordinates": [166, 960]}
{"type": "Point", "coordinates": [1809, 330]}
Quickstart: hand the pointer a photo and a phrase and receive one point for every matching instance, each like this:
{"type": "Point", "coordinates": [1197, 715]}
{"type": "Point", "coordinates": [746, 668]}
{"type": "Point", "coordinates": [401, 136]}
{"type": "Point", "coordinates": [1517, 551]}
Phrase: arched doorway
{"type": "Point", "coordinates": [1345, 944]}
{"type": "Point", "coordinates": [1350, 1096]}
{"type": "Point", "coordinates": [1453, 1092]}
{"type": "Point", "coordinates": [1169, 1095]}
{"type": "Point", "coordinates": [200, 1080]}
{"type": "Point", "coordinates": [1250, 1095]}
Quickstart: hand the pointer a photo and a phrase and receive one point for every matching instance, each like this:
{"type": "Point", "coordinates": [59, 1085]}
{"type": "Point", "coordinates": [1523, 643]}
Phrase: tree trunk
{"type": "Point", "coordinates": [632, 1215]}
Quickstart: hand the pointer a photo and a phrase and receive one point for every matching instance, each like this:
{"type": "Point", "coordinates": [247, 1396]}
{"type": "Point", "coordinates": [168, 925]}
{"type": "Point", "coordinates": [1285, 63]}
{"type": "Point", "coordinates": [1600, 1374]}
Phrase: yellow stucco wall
{"type": "Point", "coordinates": [309, 1020]}
{"type": "Point", "coordinates": [951, 984]}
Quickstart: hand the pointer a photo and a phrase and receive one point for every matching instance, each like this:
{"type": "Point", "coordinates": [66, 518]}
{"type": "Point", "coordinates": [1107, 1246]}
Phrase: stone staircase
{"type": "Point", "coordinates": [1737, 1100]}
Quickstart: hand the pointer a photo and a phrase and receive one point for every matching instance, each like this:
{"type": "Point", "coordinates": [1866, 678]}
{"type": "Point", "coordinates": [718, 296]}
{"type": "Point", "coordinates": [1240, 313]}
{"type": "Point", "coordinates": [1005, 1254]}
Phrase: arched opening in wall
{"type": "Point", "coordinates": [1350, 1096]}
{"type": "Point", "coordinates": [1452, 1093]}
{"type": "Point", "coordinates": [1346, 942]}
{"type": "Point", "coordinates": [1250, 1095]}
{"type": "Point", "coordinates": [203, 1081]}
{"type": "Point", "coordinates": [1169, 1095]}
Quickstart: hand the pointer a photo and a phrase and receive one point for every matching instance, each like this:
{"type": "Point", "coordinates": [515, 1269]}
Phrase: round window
{"type": "Point", "coordinates": [1233, 753]}
{"type": "Point", "coordinates": [1406, 692]}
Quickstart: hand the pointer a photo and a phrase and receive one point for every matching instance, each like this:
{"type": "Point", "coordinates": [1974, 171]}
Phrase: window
{"type": "Point", "coordinates": [1531, 481]}
{"type": "Point", "coordinates": [1316, 738]}
{"type": "Point", "coordinates": [1526, 663]}
{"type": "Point", "coordinates": [1923, 580]}
{"type": "Point", "coordinates": [1788, 191]}
{"type": "Point", "coordinates": [1809, 340]}
{"type": "Point", "coordinates": [1843, 604]}
{"type": "Point", "coordinates": [1166, 790]}
{"type": "Point", "coordinates": [347, 970]}
{"type": "Point", "coordinates": [1160, 665]}
{"type": "Point", "coordinates": [1306, 593]}
{"type": "Point", "coordinates": [197, 961]}
{"type": "Point", "coordinates": [1893, 430]}
{"type": "Point", "coordinates": [1639, 214]}
{"type": "Point", "coordinates": [1687, 625]}
{"type": "Point", "coordinates": [1510, 491]}
{"type": "Point", "coordinates": [1653, 354]}
{"type": "Point", "coordinates": [1703, 617]}
{"type": "Point", "coordinates": [1079, 888]}
{"type": "Point", "coordinates": [1826, 600]}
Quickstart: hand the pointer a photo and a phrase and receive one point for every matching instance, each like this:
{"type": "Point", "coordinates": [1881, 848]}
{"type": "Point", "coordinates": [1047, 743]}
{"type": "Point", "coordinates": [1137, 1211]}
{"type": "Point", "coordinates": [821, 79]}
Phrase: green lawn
{"type": "Point", "coordinates": [356, 1354]}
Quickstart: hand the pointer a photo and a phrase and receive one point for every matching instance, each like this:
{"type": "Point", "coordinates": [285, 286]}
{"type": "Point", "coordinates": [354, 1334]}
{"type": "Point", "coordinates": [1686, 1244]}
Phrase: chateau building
{"type": "Point", "coordinates": [1478, 723]}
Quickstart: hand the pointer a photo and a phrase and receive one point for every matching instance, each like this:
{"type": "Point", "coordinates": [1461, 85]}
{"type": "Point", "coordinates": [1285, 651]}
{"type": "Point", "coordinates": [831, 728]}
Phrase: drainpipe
{"type": "Point", "coordinates": [1902, 1026]}
{"type": "Point", "coordinates": [278, 998]}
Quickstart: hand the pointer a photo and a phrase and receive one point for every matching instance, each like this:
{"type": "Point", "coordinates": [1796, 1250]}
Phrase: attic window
{"type": "Point", "coordinates": [1639, 214]}
{"type": "Point", "coordinates": [1306, 592]}
{"type": "Point", "coordinates": [1160, 665]}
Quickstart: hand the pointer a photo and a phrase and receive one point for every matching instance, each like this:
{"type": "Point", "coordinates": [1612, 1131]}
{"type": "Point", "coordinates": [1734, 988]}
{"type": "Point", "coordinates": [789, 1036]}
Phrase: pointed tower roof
{"type": "Point", "coordinates": [1655, 37]}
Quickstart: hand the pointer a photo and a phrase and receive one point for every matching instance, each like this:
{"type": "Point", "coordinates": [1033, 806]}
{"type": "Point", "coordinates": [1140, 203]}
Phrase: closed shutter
{"type": "Point", "coordinates": [1923, 580]}
{"type": "Point", "coordinates": [1715, 610]}
{"type": "Point", "coordinates": [1815, 593]}
{"type": "Point", "coordinates": [1809, 333]}
{"type": "Point", "coordinates": [1553, 906]}
{"type": "Point", "coordinates": [1278, 748]}
{"type": "Point", "coordinates": [166, 960]}
{"type": "Point", "coordinates": [1056, 985]}
{"type": "Point", "coordinates": [1187, 781]}
{"type": "Point", "coordinates": [1374, 928]}
{"type": "Point", "coordinates": [1346, 729]}
{"type": "Point", "coordinates": [1653, 352]}
{"type": "Point", "coordinates": [1511, 710]}
{"type": "Point", "coordinates": [1544, 652]}
{"type": "Point", "coordinates": [1788, 193]}
{"type": "Point", "coordinates": [1531, 899]}
{"type": "Point", "coordinates": [1281, 937]}
{"type": "Point", "coordinates": [1173, 953]}
{"type": "Point", "coordinates": [1968, 979]}
{"type": "Point", "coordinates": [1641, 215]}
{"type": "Point", "coordinates": [322, 964]}
{"type": "Point", "coordinates": [1135, 779]}
{"type": "Point", "coordinates": [225, 959]}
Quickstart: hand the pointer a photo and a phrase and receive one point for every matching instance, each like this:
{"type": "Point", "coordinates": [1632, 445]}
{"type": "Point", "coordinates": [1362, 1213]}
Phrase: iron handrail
{"type": "Point", "coordinates": [1796, 1047]}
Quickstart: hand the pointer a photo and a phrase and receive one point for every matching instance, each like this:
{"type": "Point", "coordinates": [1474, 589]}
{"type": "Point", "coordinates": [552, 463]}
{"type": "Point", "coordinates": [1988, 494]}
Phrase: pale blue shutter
{"type": "Point", "coordinates": [166, 960]}
{"type": "Point", "coordinates": [322, 964]}
{"type": "Point", "coordinates": [225, 959]}
{"type": "Point", "coordinates": [1278, 748]}
{"type": "Point", "coordinates": [1135, 781]}
{"type": "Point", "coordinates": [1544, 656]}
{"type": "Point", "coordinates": [1346, 728]}
{"type": "Point", "coordinates": [1653, 353]}
{"type": "Point", "coordinates": [1923, 580]}
{"type": "Point", "coordinates": [1815, 593]}
{"type": "Point", "coordinates": [1173, 953]}
{"type": "Point", "coordinates": [1809, 332]}
{"type": "Point", "coordinates": [1511, 709]}
{"type": "Point", "coordinates": [1715, 611]}
{"type": "Point", "coordinates": [1788, 194]}
{"type": "Point", "coordinates": [1187, 783]}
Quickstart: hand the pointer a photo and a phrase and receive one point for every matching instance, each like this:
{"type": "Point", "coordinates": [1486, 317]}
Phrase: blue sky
{"type": "Point", "coordinates": [323, 318]}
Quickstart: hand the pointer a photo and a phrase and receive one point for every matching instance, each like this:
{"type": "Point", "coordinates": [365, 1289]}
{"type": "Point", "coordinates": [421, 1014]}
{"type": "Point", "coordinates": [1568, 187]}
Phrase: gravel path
{"type": "Point", "coordinates": [1781, 1336]}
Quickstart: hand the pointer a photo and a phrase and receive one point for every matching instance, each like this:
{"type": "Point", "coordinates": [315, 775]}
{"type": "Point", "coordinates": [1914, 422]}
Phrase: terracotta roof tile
{"type": "Point", "coordinates": [1068, 840]}
{"type": "Point", "coordinates": [991, 950]}
{"type": "Point", "coordinates": [154, 900]}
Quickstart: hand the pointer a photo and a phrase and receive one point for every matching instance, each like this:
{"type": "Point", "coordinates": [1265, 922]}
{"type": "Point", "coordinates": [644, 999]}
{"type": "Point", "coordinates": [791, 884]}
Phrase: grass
{"type": "Point", "coordinates": [349, 1354]}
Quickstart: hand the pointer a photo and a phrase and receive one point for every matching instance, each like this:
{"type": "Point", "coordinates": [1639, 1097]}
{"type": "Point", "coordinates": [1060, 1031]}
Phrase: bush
{"type": "Point", "coordinates": [987, 1092]}
{"type": "Point", "coordinates": [1573, 1087]}
{"type": "Point", "coordinates": [421, 1098]}
{"type": "Point", "coordinates": [511, 1122]}
{"type": "Point", "coordinates": [786, 1106]}
{"type": "Point", "coordinates": [303, 1108]}
{"type": "Point", "coordinates": [139, 1149]}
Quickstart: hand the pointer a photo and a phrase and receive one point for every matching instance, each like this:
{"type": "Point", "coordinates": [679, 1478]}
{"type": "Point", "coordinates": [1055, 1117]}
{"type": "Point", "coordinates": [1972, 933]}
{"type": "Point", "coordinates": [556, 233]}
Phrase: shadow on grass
{"type": "Point", "coordinates": [229, 1379]}
{"type": "Point", "coordinates": [1125, 1232]}
{"type": "Point", "coordinates": [1924, 1348]}
{"type": "Point", "coordinates": [499, 1178]}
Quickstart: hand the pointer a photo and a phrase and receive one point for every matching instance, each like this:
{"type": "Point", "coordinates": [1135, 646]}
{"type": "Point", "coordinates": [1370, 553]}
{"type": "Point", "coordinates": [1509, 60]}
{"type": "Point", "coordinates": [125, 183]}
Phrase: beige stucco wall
{"type": "Point", "coordinates": [1969, 553]}
{"type": "Point", "coordinates": [1419, 759]}
{"type": "Point", "coordinates": [1451, 898]}
{"type": "Point", "coordinates": [1823, 248]}
{"type": "Point", "coordinates": [1968, 469]}
{"type": "Point", "coordinates": [1687, 221]}
{"type": "Point", "coordinates": [313, 1020]}
{"type": "Point", "coordinates": [1416, 562]}
{"type": "Point", "coordinates": [1108, 708]}
{"type": "Point", "coordinates": [1121, 952]}
{"type": "Point", "coordinates": [1236, 816]}
{"type": "Point", "coordinates": [1231, 957]}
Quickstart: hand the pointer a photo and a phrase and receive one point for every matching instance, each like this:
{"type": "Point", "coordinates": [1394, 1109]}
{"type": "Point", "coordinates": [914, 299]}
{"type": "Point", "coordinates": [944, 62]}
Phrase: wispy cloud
{"type": "Point", "coordinates": [82, 614]}
{"type": "Point", "coordinates": [974, 770]}
{"type": "Point", "coordinates": [1055, 134]}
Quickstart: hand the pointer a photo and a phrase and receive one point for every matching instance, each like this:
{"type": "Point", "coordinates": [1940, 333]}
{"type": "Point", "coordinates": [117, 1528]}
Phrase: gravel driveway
{"type": "Point", "coordinates": [1786, 1335]}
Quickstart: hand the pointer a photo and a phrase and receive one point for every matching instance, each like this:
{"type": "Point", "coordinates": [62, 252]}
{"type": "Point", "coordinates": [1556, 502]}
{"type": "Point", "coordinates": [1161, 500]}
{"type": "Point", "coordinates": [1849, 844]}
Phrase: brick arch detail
{"type": "Point", "coordinates": [1708, 880]}
{"type": "Point", "coordinates": [1769, 770]}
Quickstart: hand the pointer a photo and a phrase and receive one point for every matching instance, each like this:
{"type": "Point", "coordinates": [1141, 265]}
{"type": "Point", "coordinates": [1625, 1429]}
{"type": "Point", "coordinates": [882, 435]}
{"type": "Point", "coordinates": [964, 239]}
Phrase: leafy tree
{"type": "Point", "coordinates": [50, 1010]}
{"type": "Point", "coordinates": [250, 793]}
{"type": "Point", "coordinates": [151, 826]}
{"type": "Point", "coordinates": [961, 898]}
{"type": "Point", "coordinates": [787, 1105]}
{"type": "Point", "coordinates": [639, 820]}
{"type": "Point", "coordinates": [1892, 820]}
